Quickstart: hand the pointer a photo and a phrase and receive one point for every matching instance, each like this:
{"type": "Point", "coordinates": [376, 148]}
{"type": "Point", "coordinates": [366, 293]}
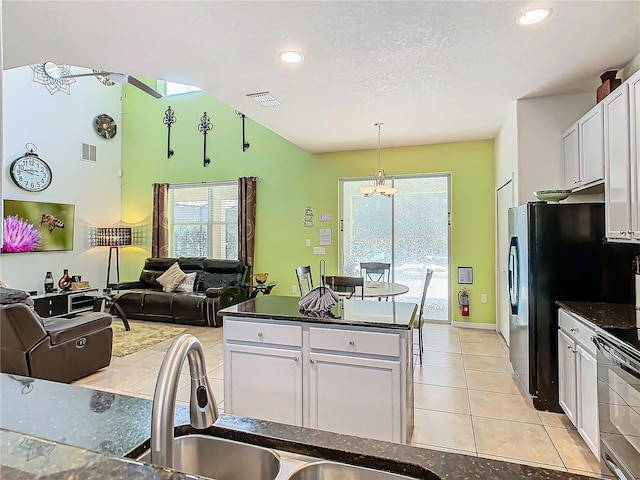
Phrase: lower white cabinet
{"type": "Point", "coordinates": [344, 379]}
{"type": "Point", "coordinates": [267, 383]}
{"type": "Point", "coordinates": [355, 395]}
{"type": "Point", "coordinates": [578, 377]}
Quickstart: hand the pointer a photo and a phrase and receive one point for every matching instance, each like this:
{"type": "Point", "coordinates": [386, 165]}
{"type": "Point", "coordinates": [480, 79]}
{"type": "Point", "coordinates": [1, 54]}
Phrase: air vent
{"type": "Point", "coordinates": [264, 98]}
{"type": "Point", "coordinates": [88, 152]}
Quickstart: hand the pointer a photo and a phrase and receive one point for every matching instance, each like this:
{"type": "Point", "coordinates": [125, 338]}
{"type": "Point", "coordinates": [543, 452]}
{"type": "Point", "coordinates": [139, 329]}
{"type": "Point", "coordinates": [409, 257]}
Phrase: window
{"type": "Point", "coordinates": [203, 220]}
{"type": "Point", "coordinates": [174, 88]}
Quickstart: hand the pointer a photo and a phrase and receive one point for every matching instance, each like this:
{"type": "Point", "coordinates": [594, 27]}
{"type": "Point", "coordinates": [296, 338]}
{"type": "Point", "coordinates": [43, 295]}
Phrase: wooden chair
{"type": "Point", "coordinates": [419, 322]}
{"type": "Point", "coordinates": [345, 284]}
{"type": "Point", "coordinates": [375, 271]}
{"type": "Point", "coordinates": [305, 281]}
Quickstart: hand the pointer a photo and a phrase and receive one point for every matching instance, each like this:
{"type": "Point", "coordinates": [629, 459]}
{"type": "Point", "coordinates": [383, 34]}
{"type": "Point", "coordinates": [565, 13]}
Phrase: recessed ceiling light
{"type": "Point", "coordinates": [291, 57]}
{"type": "Point", "coordinates": [534, 16]}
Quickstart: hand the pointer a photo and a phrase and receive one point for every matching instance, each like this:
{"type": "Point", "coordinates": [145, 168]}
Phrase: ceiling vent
{"type": "Point", "coordinates": [264, 98]}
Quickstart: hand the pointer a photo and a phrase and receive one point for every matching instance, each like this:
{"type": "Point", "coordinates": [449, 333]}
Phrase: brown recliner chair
{"type": "Point", "coordinates": [56, 348]}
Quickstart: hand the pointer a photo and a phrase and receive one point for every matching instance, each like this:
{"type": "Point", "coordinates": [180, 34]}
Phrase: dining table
{"type": "Point", "coordinates": [377, 290]}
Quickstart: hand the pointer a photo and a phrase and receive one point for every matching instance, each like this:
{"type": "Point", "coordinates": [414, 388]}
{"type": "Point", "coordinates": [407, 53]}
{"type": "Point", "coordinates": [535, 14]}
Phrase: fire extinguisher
{"type": "Point", "coordinates": [463, 301]}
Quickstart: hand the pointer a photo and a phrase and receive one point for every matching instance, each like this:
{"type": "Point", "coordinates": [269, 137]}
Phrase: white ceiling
{"type": "Point", "coordinates": [432, 71]}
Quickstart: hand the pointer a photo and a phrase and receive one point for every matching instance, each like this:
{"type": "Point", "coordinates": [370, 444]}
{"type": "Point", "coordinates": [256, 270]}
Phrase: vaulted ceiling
{"type": "Point", "coordinates": [432, 71]}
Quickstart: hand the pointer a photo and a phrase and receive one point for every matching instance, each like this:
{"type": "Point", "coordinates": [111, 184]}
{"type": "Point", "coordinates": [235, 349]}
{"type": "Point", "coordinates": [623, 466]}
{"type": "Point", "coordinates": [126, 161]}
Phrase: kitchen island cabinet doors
{"type": "Point", "coordinates": [344, 379]}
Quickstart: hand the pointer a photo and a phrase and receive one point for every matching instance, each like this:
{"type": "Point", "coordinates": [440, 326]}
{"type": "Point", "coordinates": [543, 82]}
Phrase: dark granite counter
{"type": "Point", "coordinates": [71, 417]}
{"type": "Point", "coordinates": [361, 313]}
{"type": "Point", "coordinates": [616, 319]}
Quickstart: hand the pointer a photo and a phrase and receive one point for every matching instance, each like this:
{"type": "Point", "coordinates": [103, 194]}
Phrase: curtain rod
{"type": "Point", "coordinates": [195, 184]}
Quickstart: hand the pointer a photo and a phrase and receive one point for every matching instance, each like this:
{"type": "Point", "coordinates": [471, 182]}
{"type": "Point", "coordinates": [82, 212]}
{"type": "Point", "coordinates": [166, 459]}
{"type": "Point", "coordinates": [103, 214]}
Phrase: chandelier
{"type": "Point", "coordinates": [379, 178]}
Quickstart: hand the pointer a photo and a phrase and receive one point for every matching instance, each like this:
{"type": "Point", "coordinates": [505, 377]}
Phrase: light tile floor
{"type": "Point", "coordinates": [466, 399]}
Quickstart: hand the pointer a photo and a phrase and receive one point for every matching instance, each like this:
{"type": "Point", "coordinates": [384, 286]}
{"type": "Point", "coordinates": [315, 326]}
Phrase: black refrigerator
{"type": "Point", "coordinates": [557, 252]}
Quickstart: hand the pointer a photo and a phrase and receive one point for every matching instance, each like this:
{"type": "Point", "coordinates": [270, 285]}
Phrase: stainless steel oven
{"type": "Point", "coordinates": [619, 405]}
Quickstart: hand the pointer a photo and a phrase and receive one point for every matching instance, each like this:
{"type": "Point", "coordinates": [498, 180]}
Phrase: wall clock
{"type": "Point", "coordinates": [30, 172]}
{"type": "Point", "coordinates": [105, 126]}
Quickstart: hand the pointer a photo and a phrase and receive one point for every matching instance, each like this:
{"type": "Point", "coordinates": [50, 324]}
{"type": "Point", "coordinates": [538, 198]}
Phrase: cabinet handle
{"type": "Point", "coordinates": [575, 330]}
{"type": "Point", "coordinates": [351, 342]}
{"type": "Point", "coordinates": [572, 349]}
{"type": "Point", "coordinates": [260, 334]}
{"type": "Point", "coordinates": [311, 360]}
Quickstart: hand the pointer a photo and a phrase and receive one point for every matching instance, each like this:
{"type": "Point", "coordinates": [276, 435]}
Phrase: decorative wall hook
{"type": "Point", "coordinates": [169, 119]}
{"type": "Point", "coordinates": [245, 144]}
{"type": "Point", "coordinates": [204, 128]}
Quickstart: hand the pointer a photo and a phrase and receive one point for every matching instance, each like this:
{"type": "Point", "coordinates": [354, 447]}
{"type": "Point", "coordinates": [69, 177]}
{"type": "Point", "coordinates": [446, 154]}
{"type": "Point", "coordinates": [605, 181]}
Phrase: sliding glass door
{"type": "Point", "coordinates": [409, 230]}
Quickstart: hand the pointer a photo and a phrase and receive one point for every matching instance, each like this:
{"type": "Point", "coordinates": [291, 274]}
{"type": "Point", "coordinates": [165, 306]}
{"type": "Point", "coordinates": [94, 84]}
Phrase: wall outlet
{"type": "Point", "coordinates": [483, 298]}
{"type": "Point", "coordinates": [318, 250]}
{"type": "Point", "coordinates": [308, 242]}
{"type": "Point", "coordinates": [294, 289]}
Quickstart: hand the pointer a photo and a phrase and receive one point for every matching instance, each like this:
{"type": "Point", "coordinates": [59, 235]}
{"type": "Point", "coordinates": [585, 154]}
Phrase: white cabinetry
{"type": "Point", "coordinates": [577, 377]}
{"type": "Point", "coordinates": [583, 151]}
{"type": "Point", "coordinates": [621, 115]}
{"type": "Point", "coordinates": [343, 379]}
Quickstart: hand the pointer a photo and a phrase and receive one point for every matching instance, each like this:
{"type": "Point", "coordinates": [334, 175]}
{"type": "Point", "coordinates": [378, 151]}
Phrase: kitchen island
{"type": "Point", "coordinates": [80, 441]}
{"type": "Point", "coordinates": [348, 370]}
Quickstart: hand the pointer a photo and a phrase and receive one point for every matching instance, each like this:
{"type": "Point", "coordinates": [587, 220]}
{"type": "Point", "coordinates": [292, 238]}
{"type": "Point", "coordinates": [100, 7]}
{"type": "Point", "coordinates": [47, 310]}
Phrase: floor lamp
{"type": "Point", "coordinates": [114, 238]}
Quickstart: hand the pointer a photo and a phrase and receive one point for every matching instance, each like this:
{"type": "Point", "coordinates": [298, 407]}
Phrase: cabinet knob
{"type": "Point", "coordinates": [575, 330]}
{"type": "Point", "coordinates": [260, 334]}
{"type": "Point", "coordinates": [630, 232]}
{"type": "Point", "coordinates": [570, 348]}
{"type": "Point", "coordinates": [622, 232]}
{"type": "Point", "coordinates": [311, 360]}
{"type": "Point", "coordinates": [351, 342]}
{"type": "Point", "coordinates": [296, 359]}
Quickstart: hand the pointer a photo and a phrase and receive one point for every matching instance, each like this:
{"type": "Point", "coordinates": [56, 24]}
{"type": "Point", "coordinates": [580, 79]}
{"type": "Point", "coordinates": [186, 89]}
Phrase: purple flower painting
{"type": "Point", "coordinates": [19, 236]}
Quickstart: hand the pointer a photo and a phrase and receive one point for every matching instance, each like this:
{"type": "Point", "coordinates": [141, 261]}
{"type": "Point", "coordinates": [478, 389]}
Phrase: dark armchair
{"type": "Point", "coordinates": [56, 348]}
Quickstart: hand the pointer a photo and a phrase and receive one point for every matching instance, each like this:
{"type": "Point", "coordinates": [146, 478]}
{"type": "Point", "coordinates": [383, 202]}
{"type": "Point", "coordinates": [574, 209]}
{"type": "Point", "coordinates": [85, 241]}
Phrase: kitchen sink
{"type": "Point", "coordinates": [325, 470]}
{"type": "Point", "coordinates": [222, 459]}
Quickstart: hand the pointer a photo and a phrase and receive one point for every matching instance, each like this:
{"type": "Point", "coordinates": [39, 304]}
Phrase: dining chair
{"type": "Point", "coordinates": [419, 322]}
{"type": "Point", "coordinates": [305, 281]}
{"type": "Point", "coordinates": [375, 271]}
{"type": "Point", "coordinates": [339, 283]}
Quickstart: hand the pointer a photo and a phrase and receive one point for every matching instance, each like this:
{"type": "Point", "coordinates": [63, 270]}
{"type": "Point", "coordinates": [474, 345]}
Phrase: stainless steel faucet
{"type": "Point", "coordinates": [202, 406]}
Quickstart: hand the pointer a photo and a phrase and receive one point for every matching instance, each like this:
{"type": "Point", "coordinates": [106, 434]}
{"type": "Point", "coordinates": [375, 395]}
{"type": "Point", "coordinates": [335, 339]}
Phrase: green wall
{"type": "Point", "coordinates": [290, 180]}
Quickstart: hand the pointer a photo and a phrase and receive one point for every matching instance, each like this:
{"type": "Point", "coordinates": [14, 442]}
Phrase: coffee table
{"type": "Point", "coordinates": [110, 305]}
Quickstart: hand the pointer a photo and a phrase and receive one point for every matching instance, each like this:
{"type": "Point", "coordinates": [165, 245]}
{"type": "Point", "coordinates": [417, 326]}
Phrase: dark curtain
{"type": "Point", "coordinates": [246, 219]}
{"type": "Point", "coordinates": [160, 224]}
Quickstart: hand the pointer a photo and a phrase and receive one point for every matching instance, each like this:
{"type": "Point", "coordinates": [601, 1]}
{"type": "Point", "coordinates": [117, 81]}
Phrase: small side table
{"type": "Point", "coordinates": [110, 306]}
{"type": "Point", "coordinates": [254, 288]}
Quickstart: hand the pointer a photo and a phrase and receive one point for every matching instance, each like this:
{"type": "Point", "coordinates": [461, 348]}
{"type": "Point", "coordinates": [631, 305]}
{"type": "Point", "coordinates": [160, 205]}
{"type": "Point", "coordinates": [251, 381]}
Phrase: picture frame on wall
{"type": "Point", "coordinates": [465, 275]}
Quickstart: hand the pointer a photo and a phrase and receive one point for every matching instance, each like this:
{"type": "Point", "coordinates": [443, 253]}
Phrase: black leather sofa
{"type": "Point", "coordinates": [217, 286]}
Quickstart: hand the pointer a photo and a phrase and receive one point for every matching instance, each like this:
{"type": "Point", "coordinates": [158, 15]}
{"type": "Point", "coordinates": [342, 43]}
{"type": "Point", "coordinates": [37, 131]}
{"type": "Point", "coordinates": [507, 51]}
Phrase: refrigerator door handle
{"type": "Point", "coordinates": [513, 275]}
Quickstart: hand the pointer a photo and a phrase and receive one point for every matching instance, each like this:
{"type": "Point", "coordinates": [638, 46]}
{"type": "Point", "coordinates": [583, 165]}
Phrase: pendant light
{"type": "Point", "coordinates": [379, 178]}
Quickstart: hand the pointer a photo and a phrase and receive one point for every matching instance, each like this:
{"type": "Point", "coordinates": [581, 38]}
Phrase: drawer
{"type": "Point", "coordinates": [354, 341]}
{"type": "Point", "coordinates": [577, 329]}
{"type": "Point", "coordinates": [262, 333]}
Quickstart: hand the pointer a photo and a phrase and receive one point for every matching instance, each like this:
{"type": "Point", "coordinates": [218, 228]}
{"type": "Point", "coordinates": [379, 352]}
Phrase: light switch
{"type": "Point", "coordinates": [308, 242]}
{"type": "Point", "coordinates": [483, 298]}
{"type": "Point", "coordinates": [318, 250]}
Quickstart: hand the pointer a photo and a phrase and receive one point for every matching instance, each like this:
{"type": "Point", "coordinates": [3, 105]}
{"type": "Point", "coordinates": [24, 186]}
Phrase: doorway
{"type": "Point", "coordinates": [410, 231]}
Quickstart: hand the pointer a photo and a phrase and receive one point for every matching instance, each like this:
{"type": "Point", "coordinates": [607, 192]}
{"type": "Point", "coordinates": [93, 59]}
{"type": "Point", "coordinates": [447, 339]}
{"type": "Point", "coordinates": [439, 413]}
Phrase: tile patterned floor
{"type": "Point", "coordinates": [466, 399]}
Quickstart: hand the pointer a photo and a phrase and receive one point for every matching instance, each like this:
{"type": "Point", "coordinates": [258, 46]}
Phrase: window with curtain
{"type": "Point", "coordinates": [203, 220]}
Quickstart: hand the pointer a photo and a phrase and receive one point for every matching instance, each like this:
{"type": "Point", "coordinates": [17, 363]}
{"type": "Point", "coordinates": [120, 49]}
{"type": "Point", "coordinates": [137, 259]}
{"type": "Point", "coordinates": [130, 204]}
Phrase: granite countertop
{"type": "Point", "coordinates": [616, 319]}
{"type": "Point", "coordinates": [69, 432]}
{"type": "Point", "coordinates": [361, 313]}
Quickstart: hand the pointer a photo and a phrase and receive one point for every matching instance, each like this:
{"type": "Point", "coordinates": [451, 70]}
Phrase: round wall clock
{"type": "Point", "coordinates": [105, 126]}
{"type": "Point", "coordinates": [30, 172]}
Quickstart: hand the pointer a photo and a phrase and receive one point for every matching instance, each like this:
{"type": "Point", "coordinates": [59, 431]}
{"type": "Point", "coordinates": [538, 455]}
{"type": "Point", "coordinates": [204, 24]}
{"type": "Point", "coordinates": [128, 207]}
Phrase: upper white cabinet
{"type": "Point", "coordinates": [583, 151]}
{"type": "Point", "coordinates": [621, 116]}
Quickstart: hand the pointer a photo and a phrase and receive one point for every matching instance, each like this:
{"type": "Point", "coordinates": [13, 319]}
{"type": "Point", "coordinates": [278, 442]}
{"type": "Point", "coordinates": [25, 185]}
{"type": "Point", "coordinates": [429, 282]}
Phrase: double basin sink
{"type": "Point", "coordinates": [222, 459]}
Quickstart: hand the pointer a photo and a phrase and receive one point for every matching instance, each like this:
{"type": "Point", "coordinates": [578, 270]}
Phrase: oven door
{"type": "Point", "coordinates": [619, 408]}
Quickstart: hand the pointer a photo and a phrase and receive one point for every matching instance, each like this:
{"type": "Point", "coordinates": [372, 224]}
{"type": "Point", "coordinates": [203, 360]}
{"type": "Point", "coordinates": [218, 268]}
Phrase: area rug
{"type": "Point", "coordinates": [141, 335]}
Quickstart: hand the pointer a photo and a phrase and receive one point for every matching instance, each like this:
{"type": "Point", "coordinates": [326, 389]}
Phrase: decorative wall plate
{"type": "Point", "coordinates": [105, 126]}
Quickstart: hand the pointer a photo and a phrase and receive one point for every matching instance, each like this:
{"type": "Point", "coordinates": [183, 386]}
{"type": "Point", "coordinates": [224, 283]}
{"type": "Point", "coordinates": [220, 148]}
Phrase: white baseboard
{"type": "Point", "coordinates": [484, 326]}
